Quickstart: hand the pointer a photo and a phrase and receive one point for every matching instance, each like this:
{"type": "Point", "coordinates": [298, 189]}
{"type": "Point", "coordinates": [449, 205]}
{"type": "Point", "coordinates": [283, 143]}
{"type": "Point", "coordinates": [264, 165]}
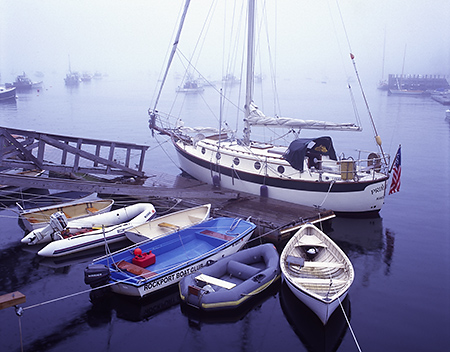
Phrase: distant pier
{"type": "Point", "coordinates": [417, 82]}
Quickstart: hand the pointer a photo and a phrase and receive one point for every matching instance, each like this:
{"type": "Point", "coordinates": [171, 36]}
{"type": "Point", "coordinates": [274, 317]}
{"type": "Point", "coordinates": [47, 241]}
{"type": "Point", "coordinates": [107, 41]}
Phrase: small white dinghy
{"type": "Point", "coordinates": [126, 218]}
{"type": "Point", "coordinates": [77, 235]}
{"type": "Point", "coordinates": [163, 225]}
{"type": "Point", "coordinates": [37, 218]}
{"type": "Point", "coordinates": [316, 270]}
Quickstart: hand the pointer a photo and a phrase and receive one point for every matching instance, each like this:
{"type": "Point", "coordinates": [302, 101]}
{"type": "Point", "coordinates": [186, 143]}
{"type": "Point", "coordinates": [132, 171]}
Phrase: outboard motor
{"type": "Point", "coordinates": [58, 222]}
{"type": "Point", "coordinates": [96, 275]}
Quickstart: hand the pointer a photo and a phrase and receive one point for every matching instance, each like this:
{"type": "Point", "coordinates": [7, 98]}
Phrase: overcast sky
{"type": "Point", "coordinates": [134, 35]}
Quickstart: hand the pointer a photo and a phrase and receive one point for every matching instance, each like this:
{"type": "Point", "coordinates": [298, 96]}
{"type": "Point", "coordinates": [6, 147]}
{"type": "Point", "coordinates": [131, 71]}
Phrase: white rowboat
{"type": "Point", "coordinates": [163, 225]}
{"type": "Point", "coordinates": [316, 270]}
{"type": "Point", "coordinates": [39, 217]}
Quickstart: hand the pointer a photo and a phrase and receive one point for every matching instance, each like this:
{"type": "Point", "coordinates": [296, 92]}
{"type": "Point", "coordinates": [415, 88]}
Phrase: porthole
{"type": "Point", "coordinates": [257, 165]}
{"type": "Point", "coordinates": [218, 156]}
{"type": "Point", "coordinates": [203, 150]}
{"type": "Point", "coordinates": [280, 169]}
{"type": "Point", "coordinates": [236, 161]}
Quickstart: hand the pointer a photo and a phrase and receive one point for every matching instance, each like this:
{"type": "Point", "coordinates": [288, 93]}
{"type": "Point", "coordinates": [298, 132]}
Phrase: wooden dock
{"type": "Point", "coordinates": [87, 165]}
{"type": "Point", "coordinates": [68, 154]}
{"type": "Point", "coordinates": [275, 219]}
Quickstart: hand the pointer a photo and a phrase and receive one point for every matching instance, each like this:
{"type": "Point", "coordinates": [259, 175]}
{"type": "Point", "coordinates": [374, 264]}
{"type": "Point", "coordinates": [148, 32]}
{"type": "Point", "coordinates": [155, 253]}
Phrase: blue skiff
{"type": "Point", "coordinates": [149, 267]}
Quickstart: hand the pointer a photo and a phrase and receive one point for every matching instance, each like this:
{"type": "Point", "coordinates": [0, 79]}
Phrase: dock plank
{"type": "Point", "coordinates": [276, 220]}
{"type": "Point", "coordinates": [11, 299]}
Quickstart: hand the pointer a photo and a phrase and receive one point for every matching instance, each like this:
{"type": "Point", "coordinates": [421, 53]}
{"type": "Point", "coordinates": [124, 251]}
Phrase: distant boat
{"type": "Point", "coordinates": [383, 85]}
{"type": "Point", "coordinates": [7, 93]}
{"type": "Point", "coordinates": [230, 79]}
{"type": "Point", "coordinates": [407, 92]}
{"type": "Point", "coordinates": [191, 86]}
{"type": "Point", "coordinates": [442, 96]}
{"type": "Point", "coordinates": [23, 83]}
{"type": "Point", "coordinates": [142, 270]}
{"type": "Point", "coordinates": [72, 79]}
{"type": "Point", "coordinates": [86, 77]}
{"type": "Point", "coordinates": [316, 270]}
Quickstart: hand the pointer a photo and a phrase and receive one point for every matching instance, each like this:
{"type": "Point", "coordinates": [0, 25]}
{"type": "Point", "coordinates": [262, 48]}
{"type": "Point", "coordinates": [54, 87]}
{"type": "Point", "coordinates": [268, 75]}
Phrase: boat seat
{"type": "Point", "coordinates": [323, 265]}
{"type": "Point", "coordinates": [301, 262]}
{"type": "Point", "coordinates": [318, 281]}
{"type": "Point", "coordinates": [91, 210]}
{"type": "Point", "coordinates": [166, 224]}
{"type": "Point", "coordinates": [241, 270]}
{"type": "Point", "coordinates": [135, 269]}
{"type": "Point", "coordinates": [215, 281]}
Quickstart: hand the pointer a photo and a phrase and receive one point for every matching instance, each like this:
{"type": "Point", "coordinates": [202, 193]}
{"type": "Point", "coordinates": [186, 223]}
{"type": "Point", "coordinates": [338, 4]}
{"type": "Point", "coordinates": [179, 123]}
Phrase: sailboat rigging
{"type": "Point", "coordinates": [308, 171]}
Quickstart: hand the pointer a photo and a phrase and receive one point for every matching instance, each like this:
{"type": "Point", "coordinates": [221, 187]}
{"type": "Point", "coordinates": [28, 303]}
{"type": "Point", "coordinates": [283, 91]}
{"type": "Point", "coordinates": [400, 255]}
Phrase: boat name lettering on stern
{"type": "Point", "coordinates": [377, 189]}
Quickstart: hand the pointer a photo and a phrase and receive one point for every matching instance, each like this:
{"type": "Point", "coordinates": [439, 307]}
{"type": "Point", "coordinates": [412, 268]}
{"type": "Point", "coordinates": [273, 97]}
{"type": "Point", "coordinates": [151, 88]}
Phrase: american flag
{"type": "Point", "coordinates": [397, 171]}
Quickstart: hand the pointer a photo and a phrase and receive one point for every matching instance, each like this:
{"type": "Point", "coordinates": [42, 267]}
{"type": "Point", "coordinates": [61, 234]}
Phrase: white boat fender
{"type": "Point", "coordinates": [57, 223]}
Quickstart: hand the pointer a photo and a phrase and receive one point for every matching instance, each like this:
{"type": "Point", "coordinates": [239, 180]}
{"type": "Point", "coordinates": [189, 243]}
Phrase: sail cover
{"type": "Point", "coordinates": [298, 149]}
{"type": "Point", "coordinates": [257, 118]}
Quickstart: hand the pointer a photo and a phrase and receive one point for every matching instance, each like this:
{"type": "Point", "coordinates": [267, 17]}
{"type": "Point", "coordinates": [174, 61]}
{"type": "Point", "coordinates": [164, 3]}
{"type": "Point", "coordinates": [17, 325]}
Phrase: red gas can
{"type": "Point", "coordinates": [144, 259]}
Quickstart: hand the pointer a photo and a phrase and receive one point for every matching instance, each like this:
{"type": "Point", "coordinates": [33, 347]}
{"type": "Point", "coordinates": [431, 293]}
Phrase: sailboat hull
{"type": "Point", "coordinates": [342, 196]}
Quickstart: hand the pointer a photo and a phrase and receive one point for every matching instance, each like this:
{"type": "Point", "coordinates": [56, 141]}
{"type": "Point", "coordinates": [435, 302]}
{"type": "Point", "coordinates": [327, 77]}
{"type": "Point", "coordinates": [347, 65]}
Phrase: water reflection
{"type": "Point", "coordinates": [358, 235]}
{"type": "Point", "coordinates": [364, 239]}
{"type": "Point", "coordinates": [18, 268]}
{"type": "Point", "coordinates": [197, 318]}
{"type": "Point", "coordinates": [8, 105]}
{"type": "Point", "coordinates": [314, 335]}
{"type": "Point", "coordinates": [130, 308]}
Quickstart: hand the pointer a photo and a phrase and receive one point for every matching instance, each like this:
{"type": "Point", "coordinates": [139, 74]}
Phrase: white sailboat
{"type": "Point", "coordinates": [308, 171]}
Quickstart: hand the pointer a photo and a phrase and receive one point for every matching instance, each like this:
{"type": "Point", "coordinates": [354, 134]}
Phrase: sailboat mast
{"type": "Point", "coordinates": [250, 68]}
{"type": "Point", "coordinates": [172, 53]}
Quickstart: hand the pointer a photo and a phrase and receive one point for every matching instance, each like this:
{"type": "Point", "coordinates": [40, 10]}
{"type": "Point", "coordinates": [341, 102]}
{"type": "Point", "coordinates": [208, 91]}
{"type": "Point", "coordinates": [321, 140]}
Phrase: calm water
{"type": "Point", "coordinates": [398, 302]}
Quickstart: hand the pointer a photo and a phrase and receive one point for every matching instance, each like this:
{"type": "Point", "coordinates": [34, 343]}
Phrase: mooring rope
{"type": "Point", "coordinates": [326, 195]}
{"type": "Point", "coordinates": [19, 315]}
{"type": "Point", "coordinates": [349, 326]}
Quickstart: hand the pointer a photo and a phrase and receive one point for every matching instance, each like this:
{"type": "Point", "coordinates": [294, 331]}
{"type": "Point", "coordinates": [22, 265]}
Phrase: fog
{"type": "Point", "coordinates": [133, 36]}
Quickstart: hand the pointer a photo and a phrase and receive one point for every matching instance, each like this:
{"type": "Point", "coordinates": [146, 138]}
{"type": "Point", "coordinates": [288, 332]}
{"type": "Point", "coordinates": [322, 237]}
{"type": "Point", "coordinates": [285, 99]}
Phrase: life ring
{"type": "Point", "coordinates": [374, 160]}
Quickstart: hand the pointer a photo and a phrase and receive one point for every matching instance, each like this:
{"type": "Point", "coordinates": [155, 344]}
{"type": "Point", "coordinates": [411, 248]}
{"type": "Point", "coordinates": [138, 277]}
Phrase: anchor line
{"type": "Point", "coordinates": [326, 196]}
{"type": "Point", "coordinates": [349, 326]}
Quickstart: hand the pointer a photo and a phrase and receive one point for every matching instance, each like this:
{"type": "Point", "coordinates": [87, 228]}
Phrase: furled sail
{"type": "Point", "coordinates": [257, 118]}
